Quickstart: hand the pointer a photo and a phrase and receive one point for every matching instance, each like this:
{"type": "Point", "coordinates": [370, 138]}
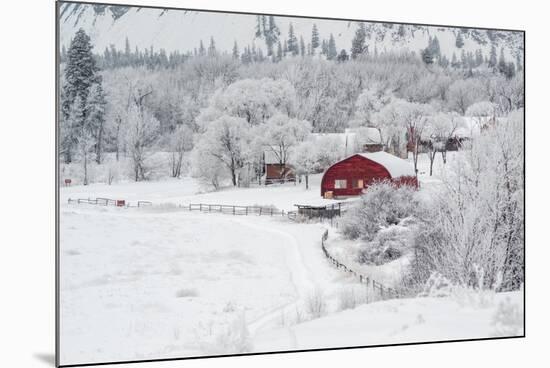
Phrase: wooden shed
{"type": "Point", "coordinates": [351, 175]}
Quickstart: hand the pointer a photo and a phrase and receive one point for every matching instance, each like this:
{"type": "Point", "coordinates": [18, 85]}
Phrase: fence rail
{"type": "Point", "coordinates": [201, 207]}
{"type": "Point", "coordinates": [384, 291]}
{"type": "Point", "coordinates": [109, 202]}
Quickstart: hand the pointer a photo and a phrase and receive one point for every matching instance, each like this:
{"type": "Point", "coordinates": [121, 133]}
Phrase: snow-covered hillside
{"type": "Point", "coordinates": [184, 29]}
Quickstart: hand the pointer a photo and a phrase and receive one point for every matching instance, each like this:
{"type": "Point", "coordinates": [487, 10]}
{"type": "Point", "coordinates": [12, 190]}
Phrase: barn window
{"type": "Point", "coordinates": [357, 183]}
{"type": "Point", "coordinates": [340, 184]}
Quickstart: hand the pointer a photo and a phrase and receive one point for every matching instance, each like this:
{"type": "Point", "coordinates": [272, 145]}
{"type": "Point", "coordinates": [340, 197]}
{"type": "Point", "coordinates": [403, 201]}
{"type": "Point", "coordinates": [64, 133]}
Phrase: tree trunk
{"type": "Point", "coordinates": [307, 181]}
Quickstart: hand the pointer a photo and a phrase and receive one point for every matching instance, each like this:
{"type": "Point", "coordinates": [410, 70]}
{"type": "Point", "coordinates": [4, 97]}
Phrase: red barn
{"type": "Point", "coordinates": [350, 176]}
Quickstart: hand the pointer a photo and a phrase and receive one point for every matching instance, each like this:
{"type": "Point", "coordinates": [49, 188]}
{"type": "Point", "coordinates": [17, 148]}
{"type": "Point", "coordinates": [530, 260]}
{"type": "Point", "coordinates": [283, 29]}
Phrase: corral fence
{"type": "Point", "coordinates": [110, 202]}
{"type": "Point", "coordinates": [235, 210]}
{"type": "Point", "coordinates": [200, 207]}
{"type": "Point", "coordinates": [381, 290]}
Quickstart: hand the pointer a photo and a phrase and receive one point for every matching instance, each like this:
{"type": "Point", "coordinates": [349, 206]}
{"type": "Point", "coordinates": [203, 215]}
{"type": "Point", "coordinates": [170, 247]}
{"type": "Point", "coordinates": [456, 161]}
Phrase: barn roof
{"type": "Point", "coordinates": [396, 166]}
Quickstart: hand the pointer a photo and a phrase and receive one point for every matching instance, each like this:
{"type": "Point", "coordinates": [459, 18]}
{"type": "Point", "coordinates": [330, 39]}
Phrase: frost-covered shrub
{"type": "Point", "coordinates": [388, 244]}
{"type": "Point", "coordinates": [437, 286]}
{"type": "Point", "coordinates": [316, 305]}
{"type": "Point", "coordinates": [351, 297]}
{"type": "Point", "coordinates": [383, 204]}
{"type": "Point", "coordinates": [230, 338]}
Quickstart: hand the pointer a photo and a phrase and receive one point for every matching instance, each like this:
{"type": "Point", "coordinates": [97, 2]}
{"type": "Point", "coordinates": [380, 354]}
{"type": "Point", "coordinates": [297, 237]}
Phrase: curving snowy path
{"type": "Point", "coordinates": [168, 284]}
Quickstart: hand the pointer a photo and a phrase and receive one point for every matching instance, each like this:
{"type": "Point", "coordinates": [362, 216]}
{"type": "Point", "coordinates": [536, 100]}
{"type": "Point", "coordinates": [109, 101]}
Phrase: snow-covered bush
{"type": "Point", "coordinates": [383, 204]}
{"type": "Point", "coordinates": [315, 303]}
{"type": "Point", "coordinates": [437, 286]}
{"type": "Point", "coordinates": [388, 244]}
{"type": "Point", "coordinates": [350, 297]}
{"type": "Point", "coordinates": [225, 338]}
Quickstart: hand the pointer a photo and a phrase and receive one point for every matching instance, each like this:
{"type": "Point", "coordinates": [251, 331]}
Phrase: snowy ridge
{"type": "Point", "coordinates": [184, 29]}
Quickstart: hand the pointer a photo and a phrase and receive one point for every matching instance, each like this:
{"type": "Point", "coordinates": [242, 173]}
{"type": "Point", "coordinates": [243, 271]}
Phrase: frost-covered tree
{"type": "Point", "coordinates": [464, 92]}
{"type": "Point", "coordinates": [459, 42]}
{"type": "Point", "coordinates": [281, 134]}
{"type": "Point", "coordinates": [95, 119]}
{"type": "Point", "coordinates": [314, 38]}
{"type": "Point", "coordinates": [439, 129]}
{"type": "Point", "coordinates": [476, 221]}
{"type": "Point", "coordinates": [292, 42]}
{"type": "Point", "coordinates": [371, 100]}
{"type": "Point", "coordinates": [254, 100]}
{"type": "Point", "coordinates": [181, 141]}
{"type": "Point", "coordinates": [85, 146]}
{"type": "Point", "coordinates": [306, 159]}
{"type": "Point", "coordinates": [302, 47]}
{"type": "Point", "coordinates": [493, 57]}
{"type": "Point", "coordinates": [331, 51]}
{"type": "Point", "coordinates": [226, 139]}
{"type": "Point", "coordinates": [142, 132]}
{"type": "Point", "coordinates": [235, 52]}
{"type": "Point", "coordinates": [329, 151]}
{"type": "Point", "coordinates": [81, 72]}
{"type": "Point", "coordinates": [358, 44]}
{"type": "Point", "coordinates": [482, 112]}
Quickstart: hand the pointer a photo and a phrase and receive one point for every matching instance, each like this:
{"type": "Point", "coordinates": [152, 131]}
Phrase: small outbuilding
{"type": "Point", "coordinates": [353, 174]}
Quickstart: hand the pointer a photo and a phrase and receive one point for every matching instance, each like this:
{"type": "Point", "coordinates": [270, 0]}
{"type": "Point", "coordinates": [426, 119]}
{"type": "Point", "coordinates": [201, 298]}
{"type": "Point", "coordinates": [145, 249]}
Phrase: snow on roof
{"type": "Point", "coordinates": [396, 166]}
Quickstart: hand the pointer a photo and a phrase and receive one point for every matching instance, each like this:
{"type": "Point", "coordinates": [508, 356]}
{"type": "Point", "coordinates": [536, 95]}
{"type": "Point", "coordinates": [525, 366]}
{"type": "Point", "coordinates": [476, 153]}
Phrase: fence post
{"type": "Point", "coordinates": [233, 209]}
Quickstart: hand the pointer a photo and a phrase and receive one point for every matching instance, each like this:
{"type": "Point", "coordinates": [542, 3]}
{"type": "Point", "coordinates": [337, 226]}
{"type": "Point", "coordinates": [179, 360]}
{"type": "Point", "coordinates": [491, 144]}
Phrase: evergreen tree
{"type": "Point", "coordinates": [292, 43]}
{"type": "Point", "coordinates": [358, 44]}
{"type": "Point", "coordinates": [95, 119]}
{"type": "Point", "coordinates": [510, 71]}
{"type": "Point", "coordinates": [80, 74]}
{"type": "Point", "coordinates": [202, 50]}
{"type": "Point", "coordinates": [279, 51]}
{"type": "Point", "coordinates": [324, 47]}
{"type": "Point", "coordinates": [285, 48]}
{"type": "Point", "coordinates": [343, 56]}
{"type": "Point", "coordinates": [478, 58]}
{"type": "Point", "coordinates": [502, 65]}
{"type": "Point", "coordinates": [459, 40]}
{"type": "Point", "coordinates": [434, 46]}
{"type": "Point", "coordinates": [258, 33]}
{"type": "Point", "coordinates": [427, 56]}
{"type": "Point", "coordinates": [454, 61]}
{"type": "Point", "coordinates": [302, 47]}
{"type": "Point", "coordinates": [235, 50]}
{"type": "Point", "coordinates": [401, 30]}
{"type": "Point", "coordinates": [212, 47]}
{"type": "Point", "coordinates": [264, 25]}
{"type": "Point", "coordinates": [493, 57]}
{"type": "Point", "coordinates": [314, 38]}
{"type": "Point", "coordinates": [332, 53]}
{"type": "Point", "coordinates": [271, 34]}
{"type": "Point", "coordinates": [127, 52]}
{"type": "Point", "coordinates": [518, 62]}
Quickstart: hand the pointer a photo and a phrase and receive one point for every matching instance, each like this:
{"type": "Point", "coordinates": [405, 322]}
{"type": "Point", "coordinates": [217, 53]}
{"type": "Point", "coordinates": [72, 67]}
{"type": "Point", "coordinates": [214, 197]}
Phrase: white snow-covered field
{"type": "Point", "coordinates": [160, 283]}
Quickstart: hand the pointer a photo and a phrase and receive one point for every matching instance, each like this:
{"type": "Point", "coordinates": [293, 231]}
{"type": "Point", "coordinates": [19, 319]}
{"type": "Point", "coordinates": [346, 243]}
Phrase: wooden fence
{"type": "Point", "coordinates": [383, 291]}
{"type": "Point", "coordinates": [201, 207]}
{"type": "Point", "coordinates": [235, 210]}
{"type": "Point", "coordinates": [110, 202]}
